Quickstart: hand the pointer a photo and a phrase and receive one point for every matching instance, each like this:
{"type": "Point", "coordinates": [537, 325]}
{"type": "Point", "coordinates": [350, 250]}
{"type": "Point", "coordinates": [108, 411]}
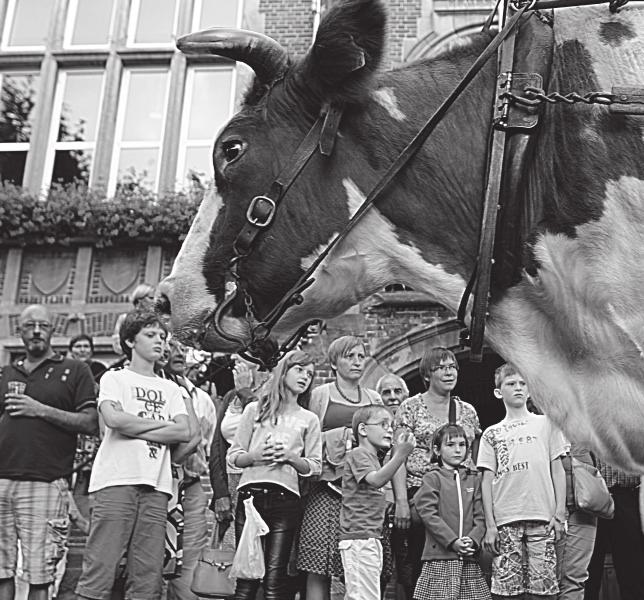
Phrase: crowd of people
{"type": "Point", "coordinates": [353, 483]}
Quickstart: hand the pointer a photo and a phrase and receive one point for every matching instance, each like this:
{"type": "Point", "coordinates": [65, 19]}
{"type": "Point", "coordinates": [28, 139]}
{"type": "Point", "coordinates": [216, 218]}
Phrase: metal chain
{"type": "Point", "coordinates": [537, 96]}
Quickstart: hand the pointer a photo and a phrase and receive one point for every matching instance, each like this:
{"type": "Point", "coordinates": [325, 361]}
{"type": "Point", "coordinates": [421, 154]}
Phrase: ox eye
{"type": "Point", "coordinates": [232, 150]}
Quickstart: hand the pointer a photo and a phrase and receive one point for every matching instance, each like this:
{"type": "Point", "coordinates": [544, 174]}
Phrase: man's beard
{"type": "Point", "coordinates": [37, 348]}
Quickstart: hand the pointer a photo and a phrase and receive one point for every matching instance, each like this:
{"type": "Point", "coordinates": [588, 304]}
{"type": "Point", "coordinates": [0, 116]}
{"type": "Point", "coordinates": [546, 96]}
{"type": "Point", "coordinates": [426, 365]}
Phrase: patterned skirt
{"type": "Point", "coordinates": [320, 533]}
{"type": "Point", "coordinates": [318, 551]}
{"type": "Point", "coordinates": [451, 580]}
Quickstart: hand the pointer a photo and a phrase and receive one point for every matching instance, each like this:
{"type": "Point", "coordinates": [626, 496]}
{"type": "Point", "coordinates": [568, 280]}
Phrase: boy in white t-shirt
{"type": "Point", "coordinates": [524, 494]}
{"type": "Point", "coordinates": [131, 479]}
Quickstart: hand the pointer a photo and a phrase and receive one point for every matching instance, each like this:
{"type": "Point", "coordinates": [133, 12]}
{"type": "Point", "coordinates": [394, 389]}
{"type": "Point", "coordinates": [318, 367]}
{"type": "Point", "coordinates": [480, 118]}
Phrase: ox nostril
{"type": "Point", "coordinates": [162, 304]}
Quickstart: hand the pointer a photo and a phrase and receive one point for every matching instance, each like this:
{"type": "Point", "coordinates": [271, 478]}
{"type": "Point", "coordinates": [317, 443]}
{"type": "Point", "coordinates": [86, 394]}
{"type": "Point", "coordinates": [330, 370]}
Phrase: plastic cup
{"type": "Point", "coordinates": [16, 387]}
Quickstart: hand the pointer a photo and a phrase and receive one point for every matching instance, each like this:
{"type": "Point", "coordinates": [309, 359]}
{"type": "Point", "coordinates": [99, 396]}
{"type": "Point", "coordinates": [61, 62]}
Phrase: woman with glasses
{"type": "Point", "coordinates": [422, 415]}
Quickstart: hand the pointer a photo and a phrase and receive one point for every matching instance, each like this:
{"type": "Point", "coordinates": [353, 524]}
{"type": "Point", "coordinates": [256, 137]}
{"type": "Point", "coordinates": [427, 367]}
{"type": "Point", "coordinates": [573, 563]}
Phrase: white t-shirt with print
{"type": "Point", "coordinates": [519, 452]}
{"type": "Point", "coordinates": [123, 460]}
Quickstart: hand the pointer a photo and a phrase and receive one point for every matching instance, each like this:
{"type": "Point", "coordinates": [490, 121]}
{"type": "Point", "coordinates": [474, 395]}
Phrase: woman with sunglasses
{"type": "Point", "coordinates": [422, 415]}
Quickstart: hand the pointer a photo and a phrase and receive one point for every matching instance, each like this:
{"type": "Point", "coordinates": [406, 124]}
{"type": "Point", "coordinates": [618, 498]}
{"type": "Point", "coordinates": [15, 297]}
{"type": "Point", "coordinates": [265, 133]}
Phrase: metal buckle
{"type": "Point", "coordinates": [260, 220]}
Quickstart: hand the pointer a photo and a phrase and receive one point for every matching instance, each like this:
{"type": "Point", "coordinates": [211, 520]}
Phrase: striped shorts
{"type": "Point", "coordinates": [36, 513]}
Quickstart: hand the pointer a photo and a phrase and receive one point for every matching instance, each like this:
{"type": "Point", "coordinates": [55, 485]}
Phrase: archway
{"type": "Point", "coordinates": [402, 355]}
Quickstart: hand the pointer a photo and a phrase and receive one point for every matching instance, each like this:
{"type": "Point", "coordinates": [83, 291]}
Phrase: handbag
{"type": "Point", "coordinates": [211, 578]}
{"type": "Point", "coordinates": [590, 492]}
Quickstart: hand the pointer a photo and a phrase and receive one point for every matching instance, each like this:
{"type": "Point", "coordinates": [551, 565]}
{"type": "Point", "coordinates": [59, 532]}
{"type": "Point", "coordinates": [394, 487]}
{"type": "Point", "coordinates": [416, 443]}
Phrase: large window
{"type": "Point", "coordinates": [89, 23]}
{"type": "Point", "coordinates": [73, 137]}
{"type": "Point", "coordinates": [139, 128]}
{"type": "Point", "coordinates": [17, 104]}
{"type": "Point", "coordinates": [27, 23]}
{"type": "Point", "coordinates": [207, 106]}
{"type": "Point", "coordinates": [97, 113]}
{"type": "Point", "coordinates": [153, 22]}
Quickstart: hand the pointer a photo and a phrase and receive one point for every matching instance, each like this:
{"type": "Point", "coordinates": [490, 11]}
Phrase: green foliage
{"type": "Point", "coordinates": [72, 214]}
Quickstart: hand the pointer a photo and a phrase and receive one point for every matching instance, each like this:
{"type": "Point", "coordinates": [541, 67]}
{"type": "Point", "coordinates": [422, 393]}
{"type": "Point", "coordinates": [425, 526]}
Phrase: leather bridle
{"type": "Point", "coordinates": [262, 210]}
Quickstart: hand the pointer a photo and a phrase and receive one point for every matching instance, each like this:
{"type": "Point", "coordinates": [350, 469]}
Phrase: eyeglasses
{"type": "Point", "coordinates": [383, 424]}
{"type": "Point", "coordinates": [445, 368]}
{"type": "Point", "coordinates": [44, 325]}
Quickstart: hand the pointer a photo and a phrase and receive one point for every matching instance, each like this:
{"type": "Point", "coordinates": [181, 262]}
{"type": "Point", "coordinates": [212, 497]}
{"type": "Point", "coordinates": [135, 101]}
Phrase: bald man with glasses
{"type": "Point", "coordinates": [45, 401]}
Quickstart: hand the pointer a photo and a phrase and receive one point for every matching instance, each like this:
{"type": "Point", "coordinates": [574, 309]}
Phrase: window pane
{"type": "Point", "coordinates": [198, 166]}
{"type": "Point", "coordinates": [12, 166]}
{"type": "Point", "coordinates": [145, 106]}
{"type": "Point", "coordinates": [210, 103]}
{"type": "Point", "coordinates": [92, 25]}
{"type": "Point", "coordinates": [72, 165]}
{"type": "Point", "coordinates": [215, 13]}
{"type": "Point", "coordinates": [30, 22]}
{"type": "Point", "coordinates": [138, 166]}
{"type": "Point", "coordinates": [79, 113]}
{"type": "Point", "coordinates": [17, 101]}
{"type": "Point", "coordinates": [155, 22]}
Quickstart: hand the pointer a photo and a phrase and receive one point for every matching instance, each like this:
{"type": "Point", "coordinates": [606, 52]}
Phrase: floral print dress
{"type": "Point", "coordinates": [414, 417]}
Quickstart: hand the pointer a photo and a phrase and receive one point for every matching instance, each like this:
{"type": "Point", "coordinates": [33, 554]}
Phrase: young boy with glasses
{"type": "Point", "coordinates": [363, 499]}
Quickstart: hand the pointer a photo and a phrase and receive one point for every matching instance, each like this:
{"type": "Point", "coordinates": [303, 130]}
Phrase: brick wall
{"type": "Point", "coordinates": [290, 22]}
{"type": "Point", "coordinates": [402, 23]}
{"type": "Point", "coordinates": [380, 320]}
{"type": "Point", "coordinates": [386, 323]}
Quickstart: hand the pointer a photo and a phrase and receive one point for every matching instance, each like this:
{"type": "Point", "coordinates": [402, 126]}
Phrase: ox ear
{"type": "Point", "coordinates": [347, 51]}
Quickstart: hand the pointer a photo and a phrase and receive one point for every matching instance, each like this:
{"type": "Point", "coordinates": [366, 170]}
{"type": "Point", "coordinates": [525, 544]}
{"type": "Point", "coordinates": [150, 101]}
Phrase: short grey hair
{"type": "Point", "coordinates": [400, 380]}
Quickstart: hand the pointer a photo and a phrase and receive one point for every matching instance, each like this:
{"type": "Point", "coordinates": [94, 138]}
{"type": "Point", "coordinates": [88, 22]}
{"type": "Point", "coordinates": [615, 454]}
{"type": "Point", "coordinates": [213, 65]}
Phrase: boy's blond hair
{"type": "Point", "coordinates": [505, 370]}
{"type": "Point", "coordinates": [363, 414]}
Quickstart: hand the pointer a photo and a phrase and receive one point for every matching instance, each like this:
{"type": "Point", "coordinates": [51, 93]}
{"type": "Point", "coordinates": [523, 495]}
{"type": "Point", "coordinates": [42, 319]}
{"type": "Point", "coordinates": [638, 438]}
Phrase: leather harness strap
{"type": "Point", "coordinates": [492, 198]}
{"type": "Point", "coordinates": [261, 210]}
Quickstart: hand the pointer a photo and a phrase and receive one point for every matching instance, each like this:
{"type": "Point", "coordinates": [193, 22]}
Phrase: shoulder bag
{"type": "Point", "coordinates": [211, 578]}
{"type": "Point", "coordinates": [590, 492]}
{"type": "Point", "coordinates": [474, 450]}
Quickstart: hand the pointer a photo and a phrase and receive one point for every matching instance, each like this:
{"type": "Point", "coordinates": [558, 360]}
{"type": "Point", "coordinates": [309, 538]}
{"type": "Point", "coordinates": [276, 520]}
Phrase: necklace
{"type": "Point", "coordinates": [345, 397]}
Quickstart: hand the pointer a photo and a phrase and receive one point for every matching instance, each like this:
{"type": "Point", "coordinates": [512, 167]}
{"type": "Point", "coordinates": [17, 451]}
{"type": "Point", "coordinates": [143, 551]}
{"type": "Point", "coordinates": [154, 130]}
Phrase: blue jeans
{"type": "Point", "coordinates": [125, 519]}
{"type": "Point", "coordinates": [282, 512]}
{"type": "Point", "coordinates": [573, 555]}
{"type": "Point", "coordinates": [195, 538]}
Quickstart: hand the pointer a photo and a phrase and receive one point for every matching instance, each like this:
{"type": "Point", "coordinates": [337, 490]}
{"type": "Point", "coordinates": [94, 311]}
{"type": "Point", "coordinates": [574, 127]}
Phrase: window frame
{"type": "Point", "coordinates": [196, 14]}
{"type": "Point", "coordinates": [7, 26]}
{"type": "Point", "coordinates": [206, 143]}
{"type": "Point", "coordinates": [20, 146]}
{"type": "Point", "coordinates": [120, 124]}
{"type": "Point", "coordinates": [70, 23]}
{"type": "Point", "coordinates": [53, 145]}
{"type": "Point", "coordinates": [133, 21]}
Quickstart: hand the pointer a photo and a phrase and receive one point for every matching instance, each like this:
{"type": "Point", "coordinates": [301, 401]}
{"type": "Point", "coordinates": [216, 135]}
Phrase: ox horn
{"type": "Point", "coordinates": [262, 54]}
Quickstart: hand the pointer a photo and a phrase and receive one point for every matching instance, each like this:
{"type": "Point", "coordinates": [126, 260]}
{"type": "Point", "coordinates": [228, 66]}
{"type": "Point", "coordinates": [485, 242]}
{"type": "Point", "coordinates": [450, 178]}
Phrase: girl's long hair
{"type": "Point", "coordinates": [270, 403]}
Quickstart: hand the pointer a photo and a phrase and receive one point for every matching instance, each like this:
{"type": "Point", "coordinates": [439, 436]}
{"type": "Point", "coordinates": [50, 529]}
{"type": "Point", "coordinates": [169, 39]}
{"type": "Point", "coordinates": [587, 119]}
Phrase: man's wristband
{"type": "Point", "coordinates": [560, 521]}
